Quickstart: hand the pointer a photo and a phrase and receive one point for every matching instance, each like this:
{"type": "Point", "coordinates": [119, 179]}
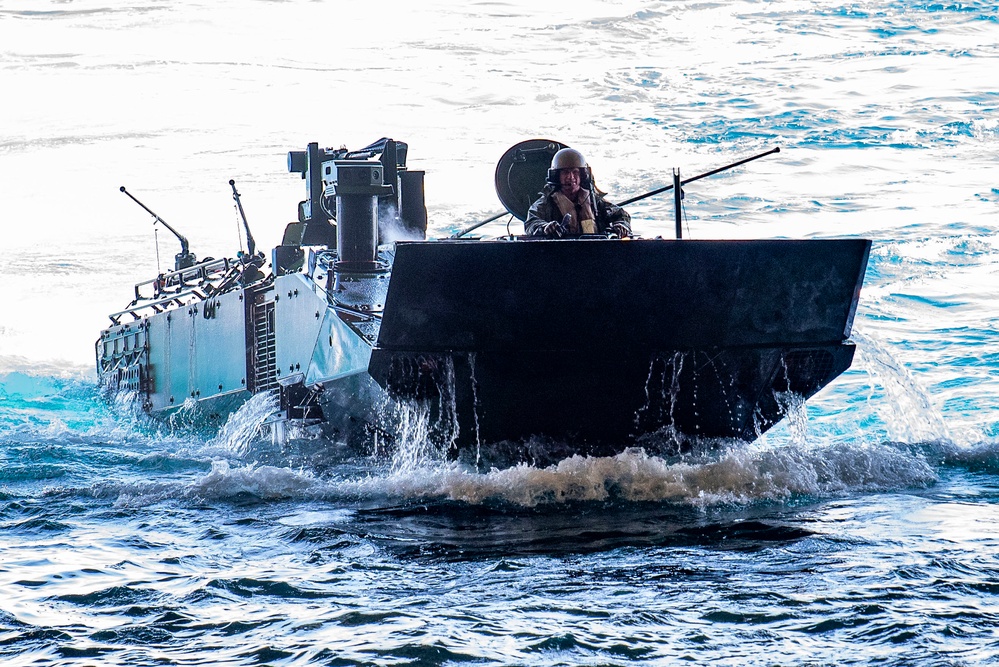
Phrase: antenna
{"type": "Point", "coordinates": [251, 247]}
{"type": "Point", "coordinates": [185, 257]}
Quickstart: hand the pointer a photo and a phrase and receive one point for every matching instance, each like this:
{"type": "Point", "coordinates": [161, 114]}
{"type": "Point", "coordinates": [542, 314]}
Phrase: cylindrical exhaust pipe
{"type": "Point", "coordinates": [356, 231]}
{"type": "Point", "coordinates": [358, 186]}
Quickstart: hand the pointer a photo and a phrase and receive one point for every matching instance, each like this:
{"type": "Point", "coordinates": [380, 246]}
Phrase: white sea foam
{"type": "Point", "coordinates": [267, 482]}
{"type": "Point", "coordinates": [224, 482]}
{"type": "Point", "coordinates": [738, 475]}
{"type": "Point", "coordinates": [43, 368]}
{"type": "Point", "coordinates": [885, 113]}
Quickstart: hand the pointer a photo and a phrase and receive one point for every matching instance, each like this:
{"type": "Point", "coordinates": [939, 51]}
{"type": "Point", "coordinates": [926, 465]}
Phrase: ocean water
{"type": "Point", "coordinates": [864, 530]}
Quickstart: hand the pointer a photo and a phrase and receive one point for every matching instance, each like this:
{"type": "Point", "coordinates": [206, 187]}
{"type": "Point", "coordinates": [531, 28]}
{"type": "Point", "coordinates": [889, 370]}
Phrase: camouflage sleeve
{"type": "Point", "coordinates": [611, 213]}
{"type": "Point", "coordinates": [537, 216]}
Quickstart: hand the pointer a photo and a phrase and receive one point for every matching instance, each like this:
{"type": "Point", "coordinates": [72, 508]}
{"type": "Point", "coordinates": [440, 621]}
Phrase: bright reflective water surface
{"type": "Point", "coordinates": [864, 530]}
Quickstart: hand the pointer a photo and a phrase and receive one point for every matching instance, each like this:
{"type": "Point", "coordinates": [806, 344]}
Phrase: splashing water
{"type": "Point", "coordinates": [245, 427]}
{"type": "Point", "coordinates": [742, 475]}
{"type": "Point", "coordinates": [907, 412]}
{"type": "Point", "coordinates": [860, 535]}
{"type": "Point", "coordinates": [425, 429]}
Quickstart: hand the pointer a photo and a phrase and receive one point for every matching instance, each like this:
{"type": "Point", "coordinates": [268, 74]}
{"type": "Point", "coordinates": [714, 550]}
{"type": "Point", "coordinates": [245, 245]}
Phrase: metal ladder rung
{"type": "Point", "coordinates": [265, 353]}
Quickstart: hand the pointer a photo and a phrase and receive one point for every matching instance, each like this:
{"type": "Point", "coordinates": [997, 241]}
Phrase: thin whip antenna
{"type": "Point", "coordinates": [156, 237]}
{"type": "Point", "coordinates": [239, 235]}
{"type": "Point", "coordinates": [251, 246]}
{"type": "Point", "coordinates": [185, 257]}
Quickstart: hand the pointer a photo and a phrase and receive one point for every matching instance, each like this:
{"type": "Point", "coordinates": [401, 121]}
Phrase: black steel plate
{"type": "Point", "coordinates": [521, 174]}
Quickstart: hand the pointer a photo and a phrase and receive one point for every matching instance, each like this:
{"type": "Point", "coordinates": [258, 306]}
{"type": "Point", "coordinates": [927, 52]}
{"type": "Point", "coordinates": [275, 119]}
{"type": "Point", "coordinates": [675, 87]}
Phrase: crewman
{"type": "Point", "coordinates": [570, 204]}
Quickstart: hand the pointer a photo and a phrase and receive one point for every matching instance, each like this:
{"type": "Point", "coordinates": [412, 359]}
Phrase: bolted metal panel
{"type": "Point", "coordinates": [194, 357]}
{"type": "Point", "coordinates": [339, 351]}
{"type": "Point", "coordinates": [296, 323]}
{"type": "Point", "coordinates": [219, 345]}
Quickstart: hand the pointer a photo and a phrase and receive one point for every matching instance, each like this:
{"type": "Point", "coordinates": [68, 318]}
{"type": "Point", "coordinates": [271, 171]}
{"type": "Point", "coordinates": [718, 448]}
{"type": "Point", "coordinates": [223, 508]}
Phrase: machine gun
{"type": "Point", "coordinates": [251, 246]}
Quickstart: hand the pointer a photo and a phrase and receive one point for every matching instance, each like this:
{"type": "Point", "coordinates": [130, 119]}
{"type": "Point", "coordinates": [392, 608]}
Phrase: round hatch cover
{"type": "Point", "coordinates": [521, 174]}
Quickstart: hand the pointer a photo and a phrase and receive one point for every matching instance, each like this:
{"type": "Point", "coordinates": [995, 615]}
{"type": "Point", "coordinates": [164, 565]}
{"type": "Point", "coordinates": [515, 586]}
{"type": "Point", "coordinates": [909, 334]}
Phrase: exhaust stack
{"type": "Point", "coordinates": [358, 186]}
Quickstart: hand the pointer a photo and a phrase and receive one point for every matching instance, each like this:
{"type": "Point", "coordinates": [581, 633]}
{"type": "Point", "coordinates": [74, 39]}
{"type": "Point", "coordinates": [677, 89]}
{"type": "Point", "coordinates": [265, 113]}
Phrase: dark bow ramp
{"type": "Point", "coordinates": [604, 341]}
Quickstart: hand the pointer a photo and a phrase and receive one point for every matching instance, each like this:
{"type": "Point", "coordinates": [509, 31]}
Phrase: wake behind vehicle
{"type": "Point", "coordinates": [590, 345]}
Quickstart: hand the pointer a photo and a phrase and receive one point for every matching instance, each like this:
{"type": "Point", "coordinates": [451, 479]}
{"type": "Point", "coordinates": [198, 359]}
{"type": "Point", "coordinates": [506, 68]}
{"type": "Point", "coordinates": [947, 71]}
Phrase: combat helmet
{"type": "Point", "coordinates": [570, 158]}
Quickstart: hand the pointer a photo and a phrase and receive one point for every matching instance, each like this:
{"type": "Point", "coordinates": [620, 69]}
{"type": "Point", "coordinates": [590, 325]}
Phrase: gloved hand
{"type": "Point", "coordinates": [621, 230]}
{"type": "Point", "coordinates": [555, 229]}
{"type": "Point", "coordinates": [552, 230]}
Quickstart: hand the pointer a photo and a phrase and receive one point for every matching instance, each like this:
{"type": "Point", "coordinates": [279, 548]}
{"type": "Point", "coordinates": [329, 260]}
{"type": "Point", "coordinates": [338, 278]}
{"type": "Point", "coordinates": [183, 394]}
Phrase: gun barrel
{"type": "Point", "coordinates": [184, 249]}
{"type": "Point", "coordinates": [251, 246]}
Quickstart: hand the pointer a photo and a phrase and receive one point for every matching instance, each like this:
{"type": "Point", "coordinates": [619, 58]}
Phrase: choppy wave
{"type": "Point", "coordinates": [736, 477]}
{"type": "Point", "coordinates": [745, 476]}
{"type": "Point", "coordinates": [862, 530]}
{"type": "Point", "coordinates": [242, 461]}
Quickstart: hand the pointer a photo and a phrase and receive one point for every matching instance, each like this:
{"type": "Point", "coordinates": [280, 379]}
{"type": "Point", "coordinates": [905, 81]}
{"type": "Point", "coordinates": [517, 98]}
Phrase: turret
{"type": "Point", "coordinates": [355, 201]}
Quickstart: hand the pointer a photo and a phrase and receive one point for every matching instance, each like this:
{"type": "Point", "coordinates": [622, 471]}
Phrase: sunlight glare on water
{"type": "Point", "coordinates": [861, 530]}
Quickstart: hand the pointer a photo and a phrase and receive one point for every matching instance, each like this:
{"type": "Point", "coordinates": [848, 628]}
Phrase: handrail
{"type": "Point", "coordinates": [181, 277]}
{"type": "Point", "coordinates": [134, 308]}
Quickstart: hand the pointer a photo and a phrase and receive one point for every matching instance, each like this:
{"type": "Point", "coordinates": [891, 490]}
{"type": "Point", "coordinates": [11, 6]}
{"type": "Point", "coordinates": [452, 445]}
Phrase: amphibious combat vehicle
{"type": "Point", "coordinates": [592, 344]}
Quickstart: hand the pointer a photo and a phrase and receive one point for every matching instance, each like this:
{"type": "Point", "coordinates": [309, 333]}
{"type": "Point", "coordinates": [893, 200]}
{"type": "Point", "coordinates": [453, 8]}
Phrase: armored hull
{"type": "Point", "coordinates": [604, 341]}
{"type": "Point", "coordinates": [593, 344]}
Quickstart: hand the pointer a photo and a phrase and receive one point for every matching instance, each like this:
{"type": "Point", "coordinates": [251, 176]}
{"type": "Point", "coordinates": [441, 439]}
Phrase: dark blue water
{"type": "Point", "coordinates": [864, 530]}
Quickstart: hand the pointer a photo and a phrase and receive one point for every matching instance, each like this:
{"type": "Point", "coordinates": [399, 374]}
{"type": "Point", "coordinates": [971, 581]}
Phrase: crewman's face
{"type": "Point", "coordinates": [568, 181]}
